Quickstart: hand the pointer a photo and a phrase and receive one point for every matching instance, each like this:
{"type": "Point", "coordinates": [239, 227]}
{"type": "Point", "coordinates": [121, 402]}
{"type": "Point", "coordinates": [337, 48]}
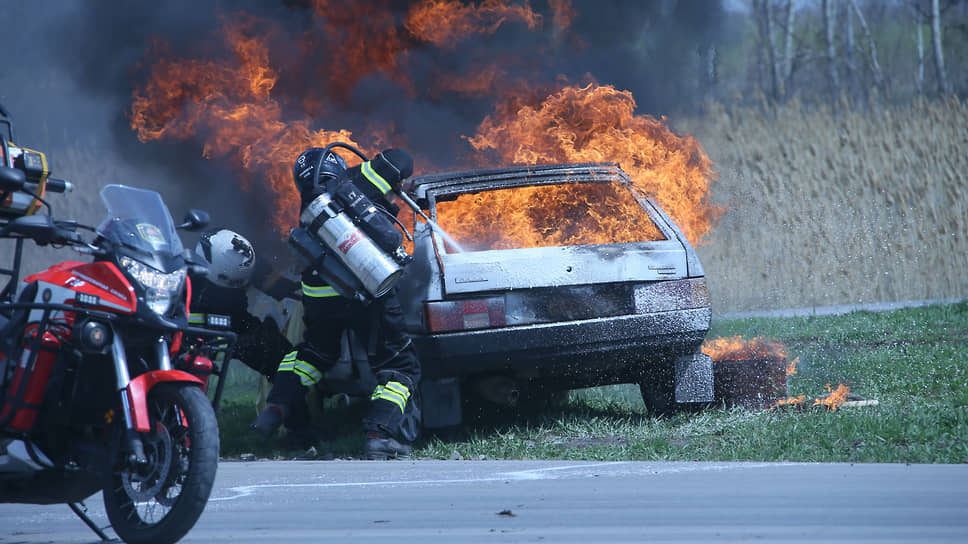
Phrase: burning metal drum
{"type": "Point", "coordinates": [750, 383]}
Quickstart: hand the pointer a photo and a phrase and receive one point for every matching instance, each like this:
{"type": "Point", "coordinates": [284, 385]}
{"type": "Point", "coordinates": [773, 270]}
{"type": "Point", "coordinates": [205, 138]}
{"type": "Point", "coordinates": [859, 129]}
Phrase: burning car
{"type": "Point", "coordinates": [552, 278]}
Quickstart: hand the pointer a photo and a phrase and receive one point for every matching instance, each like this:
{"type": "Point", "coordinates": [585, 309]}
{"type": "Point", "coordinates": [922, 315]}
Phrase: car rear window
{"type": "Point", "coordinates": [565, 214]}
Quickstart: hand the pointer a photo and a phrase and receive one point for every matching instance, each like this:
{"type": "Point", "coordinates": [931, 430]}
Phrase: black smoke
{"type": "Point", "coordinates": [652, 48]}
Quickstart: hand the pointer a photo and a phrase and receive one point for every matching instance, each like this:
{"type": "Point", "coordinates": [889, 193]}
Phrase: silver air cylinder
{"type": "Point", "coordinates": [376, 270]}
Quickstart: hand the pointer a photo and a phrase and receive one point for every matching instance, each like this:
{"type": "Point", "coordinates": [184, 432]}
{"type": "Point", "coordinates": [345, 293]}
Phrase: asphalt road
{"type": "Point", "coordinates": [554, 501]}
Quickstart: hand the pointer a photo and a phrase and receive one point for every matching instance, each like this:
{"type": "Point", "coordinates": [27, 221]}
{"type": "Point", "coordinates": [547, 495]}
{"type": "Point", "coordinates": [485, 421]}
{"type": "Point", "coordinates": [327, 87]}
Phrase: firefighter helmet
{"type": "Point", "coordinates": [229, 256]}
{"type": "Point", "coordinates": [312, 170]}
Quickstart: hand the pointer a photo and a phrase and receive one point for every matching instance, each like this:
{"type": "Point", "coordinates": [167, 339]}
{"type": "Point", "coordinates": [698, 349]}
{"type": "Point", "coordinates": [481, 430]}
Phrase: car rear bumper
{"type": "Point", "coordinates": [612, 348]}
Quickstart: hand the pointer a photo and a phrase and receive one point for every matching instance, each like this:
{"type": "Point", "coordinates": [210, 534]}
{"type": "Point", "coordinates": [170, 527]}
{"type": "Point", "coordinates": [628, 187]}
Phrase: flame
{"type": "Point", "coordinates": [232, 103]}
{"type": "Point", "coordinates": [597, 123]}
{"type": "Point", "coordinates": [480, 82]}
{"type": "Point", "coordinates": [356, 40]}
{"type": "Point", "coordinates": [446, 22]}
{"type": "Point", "coordinates": [562, 13]}
{"type": "Point", "coordinates": [556, 215]}
{"type": "Point", "coordinates": [832, 401]}
{"type": "Point", "coordinates": [735, 348]}
{"type": "Point", "coordinates": [256, 109]}
{"type": "Point", "coordinates": [791, 368]}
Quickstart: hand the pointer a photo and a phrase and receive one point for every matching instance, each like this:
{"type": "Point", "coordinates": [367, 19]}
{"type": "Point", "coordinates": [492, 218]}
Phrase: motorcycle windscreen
{"type": "Point", "coordinates": [138, 220]}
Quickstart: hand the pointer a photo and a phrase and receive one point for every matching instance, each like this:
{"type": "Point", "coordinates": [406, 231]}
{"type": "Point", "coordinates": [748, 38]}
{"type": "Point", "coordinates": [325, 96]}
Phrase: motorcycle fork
{"type": "Point", "coordinates": [133, 447]}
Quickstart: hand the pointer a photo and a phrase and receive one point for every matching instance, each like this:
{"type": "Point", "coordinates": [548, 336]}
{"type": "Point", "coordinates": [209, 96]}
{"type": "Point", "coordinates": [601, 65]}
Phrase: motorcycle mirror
{"type": "Point", "coordinates": [11, 179]}
{"type": "Point", "coordinates": [195, 220]}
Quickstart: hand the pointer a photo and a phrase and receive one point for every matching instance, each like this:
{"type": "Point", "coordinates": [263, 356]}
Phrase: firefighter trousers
{"type": "Point", "coordinates": [390, 356]}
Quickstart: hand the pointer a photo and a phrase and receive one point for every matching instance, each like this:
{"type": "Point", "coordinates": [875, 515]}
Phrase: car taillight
{"type": "Point", "coordinates": [463, 315]}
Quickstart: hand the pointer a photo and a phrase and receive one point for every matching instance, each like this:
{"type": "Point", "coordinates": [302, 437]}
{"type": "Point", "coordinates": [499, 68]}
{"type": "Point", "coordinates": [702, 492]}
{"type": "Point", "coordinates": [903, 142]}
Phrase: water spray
{"type": "Point", "coordinates": [433, 224]}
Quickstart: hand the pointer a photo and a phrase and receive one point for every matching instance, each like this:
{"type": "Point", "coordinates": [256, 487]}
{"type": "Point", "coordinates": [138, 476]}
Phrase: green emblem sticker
{"type": "Point", "coordinates": [152, 235]}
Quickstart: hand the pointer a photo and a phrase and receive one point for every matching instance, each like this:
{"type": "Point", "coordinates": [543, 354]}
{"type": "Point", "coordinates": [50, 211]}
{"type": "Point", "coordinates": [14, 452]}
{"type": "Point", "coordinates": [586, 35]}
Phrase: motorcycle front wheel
{"type": "Point", "coordinates": [161, 501]}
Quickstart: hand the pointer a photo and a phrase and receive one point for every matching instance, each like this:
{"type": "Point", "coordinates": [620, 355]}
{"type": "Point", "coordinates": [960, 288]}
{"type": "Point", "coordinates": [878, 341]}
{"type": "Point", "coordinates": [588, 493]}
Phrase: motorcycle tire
{"type": "Point", "coordinates": [161, 502]}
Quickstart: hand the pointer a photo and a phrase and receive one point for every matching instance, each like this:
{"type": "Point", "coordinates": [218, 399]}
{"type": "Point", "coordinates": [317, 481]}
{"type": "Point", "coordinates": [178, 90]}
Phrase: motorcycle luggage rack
{"type": "Point", "coordinates": [12, 273]}
{"type": "Point", "coordinates": [221, 342]}
{"type": "Point", "coordinates": [15, 402]}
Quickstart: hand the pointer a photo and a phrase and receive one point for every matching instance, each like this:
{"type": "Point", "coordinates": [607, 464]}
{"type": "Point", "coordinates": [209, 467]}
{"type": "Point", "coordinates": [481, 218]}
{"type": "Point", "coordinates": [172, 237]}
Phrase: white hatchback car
{"type": "Point", "coordinates": [567, 278]}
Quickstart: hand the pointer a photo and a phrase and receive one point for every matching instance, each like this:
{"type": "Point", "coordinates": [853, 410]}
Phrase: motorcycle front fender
{"type": "Point", "coordinates": [139, 387]}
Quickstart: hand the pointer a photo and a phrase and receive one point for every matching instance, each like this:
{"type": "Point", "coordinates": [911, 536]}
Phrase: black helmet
{"type": "Point", "coordinates": [312, 170]}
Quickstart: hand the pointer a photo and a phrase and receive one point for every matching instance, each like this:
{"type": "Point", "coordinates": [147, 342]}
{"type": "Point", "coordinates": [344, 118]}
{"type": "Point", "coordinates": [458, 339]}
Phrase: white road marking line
{"type": "Point", "coordinates": [546, 473]}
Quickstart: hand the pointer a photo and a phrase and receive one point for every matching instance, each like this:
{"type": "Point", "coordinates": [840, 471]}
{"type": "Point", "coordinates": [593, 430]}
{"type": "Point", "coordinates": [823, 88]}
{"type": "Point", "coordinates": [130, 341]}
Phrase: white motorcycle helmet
{"type": "Point", "coordinates": [229, 257]}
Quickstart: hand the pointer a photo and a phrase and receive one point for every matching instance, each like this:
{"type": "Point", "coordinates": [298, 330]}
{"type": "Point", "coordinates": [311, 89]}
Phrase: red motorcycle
{"type": "Point", "coordinates": [90, 398]}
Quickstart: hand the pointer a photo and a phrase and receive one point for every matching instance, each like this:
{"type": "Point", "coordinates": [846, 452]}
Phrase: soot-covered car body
{"type": "Point", "coordinates": [507, 319]}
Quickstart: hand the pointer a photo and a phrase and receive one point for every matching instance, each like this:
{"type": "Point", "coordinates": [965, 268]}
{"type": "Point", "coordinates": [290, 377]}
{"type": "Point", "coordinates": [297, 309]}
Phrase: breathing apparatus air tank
{"type": "Point", "coordinates": [376, 271]}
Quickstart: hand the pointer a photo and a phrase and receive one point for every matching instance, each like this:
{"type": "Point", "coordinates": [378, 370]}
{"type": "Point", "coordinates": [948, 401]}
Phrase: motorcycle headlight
{"type": "Point", "coordinates": [160, 288]}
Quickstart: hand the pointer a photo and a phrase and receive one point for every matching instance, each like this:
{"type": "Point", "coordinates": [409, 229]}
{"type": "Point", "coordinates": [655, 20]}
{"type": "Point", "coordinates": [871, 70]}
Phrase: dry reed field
{"type": "Point", "coordinates": [837, 208]}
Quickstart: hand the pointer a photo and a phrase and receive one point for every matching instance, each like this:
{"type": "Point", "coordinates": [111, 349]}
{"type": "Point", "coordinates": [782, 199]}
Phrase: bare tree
{"type": "Point", "coordinates": [919, 79]}
{"type": "Point", "coordinates": [938, 50]}
{"type": "Point", "coordinates": [833, 80]}
{"type": "Point", "coordinates": [875, 65]}
{"type": "Point", "coordinates": [849, 53]}
{"type": "Point", "coordinates": [780, 65]}
{"type": "Point", "coordinates": [788, 46]}
{"type": "Point", "coordinates": [763, 11]}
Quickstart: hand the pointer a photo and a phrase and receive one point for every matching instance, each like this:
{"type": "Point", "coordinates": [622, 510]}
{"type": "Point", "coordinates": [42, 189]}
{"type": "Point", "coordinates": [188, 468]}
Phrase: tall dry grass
{"type": "Point", "coordinates": [837, 208]}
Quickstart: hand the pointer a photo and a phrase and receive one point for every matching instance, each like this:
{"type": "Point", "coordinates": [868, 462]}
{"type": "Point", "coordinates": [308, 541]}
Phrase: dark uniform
{"type": "Point", "coordinates": [333, 321]}
{"type": "Point", "coordinates": [260, 342]}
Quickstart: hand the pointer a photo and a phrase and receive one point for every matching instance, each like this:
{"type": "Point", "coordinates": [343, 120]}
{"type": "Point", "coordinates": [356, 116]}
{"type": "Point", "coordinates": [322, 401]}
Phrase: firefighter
{"type": "Point", "coordinates": [231, 269]}
{"type": "Point", "coordinates": [329, 317]}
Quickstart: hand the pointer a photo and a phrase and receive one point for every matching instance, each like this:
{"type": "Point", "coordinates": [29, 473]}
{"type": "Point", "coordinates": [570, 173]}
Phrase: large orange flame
{"type": "Point", "coordinates": [232, 103]}
{"type": "Point", "coordinates": [556, 215]}
{"type": "Point", "coordinates": [597, 123]}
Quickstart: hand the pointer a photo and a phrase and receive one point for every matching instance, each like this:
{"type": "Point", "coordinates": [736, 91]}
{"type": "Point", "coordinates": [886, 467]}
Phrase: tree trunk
{"type": "Point", "coordinates": [875, 65]}
{"type": "Point", "coordinates": [938, 51]}
{"type": "Point", "coordinates": [769, 43]}
{"type": "Point", "coordinates": [828, 26]}
{"type": "Point", "coordinates": [757, 8]}
{"type": "Point", "coordinates": [849, 54]}
{"type": "Point", "coordinates": [920, 75]}
{"type": "Point", "coordinates": [788, 48]}
{"type": "Point", "coordinates": [766, 52]}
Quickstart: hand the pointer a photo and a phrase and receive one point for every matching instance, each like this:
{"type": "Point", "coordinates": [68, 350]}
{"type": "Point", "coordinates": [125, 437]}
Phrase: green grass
{"type": "Point", "coordinates": [914, 362]}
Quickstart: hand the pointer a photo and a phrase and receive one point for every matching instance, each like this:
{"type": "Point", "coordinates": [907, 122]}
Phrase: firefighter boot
{"type": "Point", "coordinates": [268, 421]}
{"type": "Point", "coordinates": [379, 447]}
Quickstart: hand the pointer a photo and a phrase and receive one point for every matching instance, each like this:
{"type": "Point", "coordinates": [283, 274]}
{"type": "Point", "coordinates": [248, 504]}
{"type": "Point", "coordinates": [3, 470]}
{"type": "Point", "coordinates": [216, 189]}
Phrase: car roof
{"type": "Point", "coordinates": [514, 176]}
